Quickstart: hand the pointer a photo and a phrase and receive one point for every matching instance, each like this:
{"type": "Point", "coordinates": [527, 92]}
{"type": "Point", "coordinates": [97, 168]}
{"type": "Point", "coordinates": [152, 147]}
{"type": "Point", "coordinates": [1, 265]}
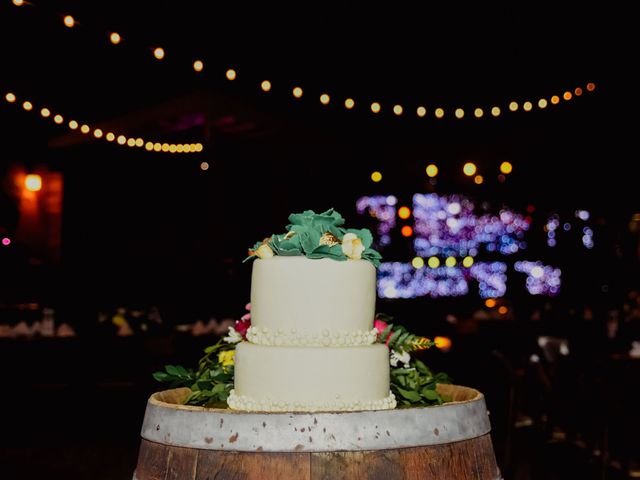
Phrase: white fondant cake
{"type": "Point", "coordinates": [300, 298]}
{"type": "Point", "coordinates": [310, 343]}
{"type": "Point", "coordinates": [311, 378]}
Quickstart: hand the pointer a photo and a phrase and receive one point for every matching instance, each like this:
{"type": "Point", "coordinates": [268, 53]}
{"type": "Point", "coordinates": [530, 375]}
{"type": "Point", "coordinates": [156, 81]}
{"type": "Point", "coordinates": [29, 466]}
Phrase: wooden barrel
{"type": "Point", "coordinates": [446, 442]}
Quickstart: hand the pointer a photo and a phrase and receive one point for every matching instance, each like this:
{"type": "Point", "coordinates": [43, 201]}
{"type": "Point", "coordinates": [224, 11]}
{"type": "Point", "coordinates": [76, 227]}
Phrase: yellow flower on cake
{"type": "Point", "coordinates": [264, 251]}
{"type": "Point", "coordinates": [226, 358]}
{"type": "Point", "coordinates": [352, 246]}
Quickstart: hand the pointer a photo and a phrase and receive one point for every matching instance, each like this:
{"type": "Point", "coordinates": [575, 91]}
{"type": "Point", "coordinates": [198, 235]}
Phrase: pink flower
{"type": "Point", "coordinates": [380, 326]}
{"type": "Point", "coordinates": [243, 325]}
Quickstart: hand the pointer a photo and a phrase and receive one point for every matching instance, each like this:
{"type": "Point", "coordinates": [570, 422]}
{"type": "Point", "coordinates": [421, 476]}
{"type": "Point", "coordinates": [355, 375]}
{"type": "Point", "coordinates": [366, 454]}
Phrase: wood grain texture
{"type": "Point", "coordinates": [467, 460]}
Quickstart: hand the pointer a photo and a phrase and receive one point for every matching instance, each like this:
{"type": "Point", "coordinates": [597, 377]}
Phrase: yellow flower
{"type": "Point", "coordinates": [264, 251]}
{"type": "Point", "coordinates": [352, 246]}
{"type": "Point", "coordinates": [226, 358]}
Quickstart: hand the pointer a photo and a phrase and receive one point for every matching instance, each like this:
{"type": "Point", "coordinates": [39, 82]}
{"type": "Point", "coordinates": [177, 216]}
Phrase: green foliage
{"type": "Point", "coordinates": [416, 385]}
{"type": "Point", "coordinates": [210, 384]}
{"type": "Point", "coordinates": [400, 339]}
{"type": "Point", "coordinates": [304, 233]}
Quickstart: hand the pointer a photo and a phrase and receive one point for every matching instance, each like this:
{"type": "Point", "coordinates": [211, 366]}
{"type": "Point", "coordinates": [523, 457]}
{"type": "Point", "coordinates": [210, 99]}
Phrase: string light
{"type": "Point", "coordinates": [490, 302]}
{"type": "Point", "coordinates": [349, 103]}
{"type": "Point", "coordinates": [527, 106]}
{"type": "Point", "coordinates": [297, 92]}
{"type": "Point", "coordinates": [69, 21]}
{"type": "Point", "coordinates": [417, 262]}
{"type": "Point", "coordinates": [376, 177]}
{"type": "Point", "coordinates": [450, 262]}
{"type": "Point", "coordinates": [478, 179]}
{"type": "Point", "coordinates": [542, 103]}
{"type": "Point", "coordinates": [406, 231]}
{"type": "Point", "coordinates": [433, 262]}
{"type": "Point", "coordinates": [265, 85]}
{"type": "Point", "coordinates": [506, 168]}
{"type": "Point", "coordinates": [432, 170]}
{"type": "Point", "coordinates": [324, 99]}
{"type": "Point", "coordinates": [204, 166]}
{"type": "Point", "coordinates": [110, 136]}
{"type": "Point", "coordinates": [115, 38]}
{"type": "Point", "coordinates": [467, 261]}
{"type": "Point", "coordinates": [404, 212]}
{"type": "Point", "coordinates": [469, 169]}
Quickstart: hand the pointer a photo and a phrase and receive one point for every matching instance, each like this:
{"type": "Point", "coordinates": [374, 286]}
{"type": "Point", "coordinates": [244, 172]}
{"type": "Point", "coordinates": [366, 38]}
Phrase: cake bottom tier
{"type": "Point", "coordinates": [295, 379]}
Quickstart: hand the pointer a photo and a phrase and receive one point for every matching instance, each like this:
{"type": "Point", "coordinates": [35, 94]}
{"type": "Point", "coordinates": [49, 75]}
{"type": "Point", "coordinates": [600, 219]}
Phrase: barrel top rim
{"type": "Point", "coordinates": [155, 400]}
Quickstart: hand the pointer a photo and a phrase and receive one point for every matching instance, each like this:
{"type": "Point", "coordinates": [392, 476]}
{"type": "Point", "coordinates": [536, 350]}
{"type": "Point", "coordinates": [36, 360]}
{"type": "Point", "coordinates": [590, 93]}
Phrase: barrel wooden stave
{"type": "Point", "coordinates": [466, 460]}
{"type": "Point", "coordinates": [164, 457]}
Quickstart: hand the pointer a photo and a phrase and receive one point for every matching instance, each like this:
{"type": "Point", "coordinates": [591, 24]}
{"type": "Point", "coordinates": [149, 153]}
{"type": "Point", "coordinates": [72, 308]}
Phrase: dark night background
{"type": "Point", "coordinates": [143, 229]}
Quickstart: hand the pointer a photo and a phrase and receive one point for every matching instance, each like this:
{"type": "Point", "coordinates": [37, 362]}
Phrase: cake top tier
{"type": "Point", "coordinates": [318, 235]}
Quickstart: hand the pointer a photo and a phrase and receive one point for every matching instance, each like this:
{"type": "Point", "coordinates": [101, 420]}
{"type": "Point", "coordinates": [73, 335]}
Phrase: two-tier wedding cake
{"type": "Point", "coordinates": [311, 345]}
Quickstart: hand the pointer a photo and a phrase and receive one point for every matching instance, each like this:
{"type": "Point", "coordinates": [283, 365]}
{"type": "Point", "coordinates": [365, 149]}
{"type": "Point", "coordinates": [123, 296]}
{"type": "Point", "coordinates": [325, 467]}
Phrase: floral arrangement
{"type": "Point", "coordinates": [318, 235]}
{"type": "Point", "coordinates": [412, 381]}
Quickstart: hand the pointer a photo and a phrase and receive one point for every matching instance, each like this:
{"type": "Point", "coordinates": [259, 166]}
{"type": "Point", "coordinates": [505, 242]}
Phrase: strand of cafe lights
{"type": "Point", "coordinates": [114, 137]}
{"type": "Point", "coordinates": [375, 107]}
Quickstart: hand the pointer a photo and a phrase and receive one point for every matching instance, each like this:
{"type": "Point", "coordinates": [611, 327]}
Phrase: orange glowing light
{"type": "Point", "coordinates": [406, 231]}
{"type": "Point", "coordinates": [503, 310]}
{"type": "Point", "coordinates": [591, 87]}
{"type": "Point", "coordinates": [555, 99]}
{"type": "Point", "coordinates": [69, 21]}
{"type": "Point", "coordinates": [443, 343]}
{"type": "Point", "coordinates": [490, 302]}
{"type": "Point", "coordinates": [578, 91]}
{"type": "Point", "coordinates": [33, 182]}
{"type": "Point", "coordinates": [404, 212]}
{"type": "Point", "coordinates": [567, 95]}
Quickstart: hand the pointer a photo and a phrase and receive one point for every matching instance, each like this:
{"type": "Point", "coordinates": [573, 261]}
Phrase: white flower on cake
{"type": "Point", "coordinates": [264, 251]}
{"type": "Point", "coordinates": [396, 357]}
{"type": "Point", "coordinates": [233, 336]}
{"type": "Point", "coordinates": [352, 246]}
